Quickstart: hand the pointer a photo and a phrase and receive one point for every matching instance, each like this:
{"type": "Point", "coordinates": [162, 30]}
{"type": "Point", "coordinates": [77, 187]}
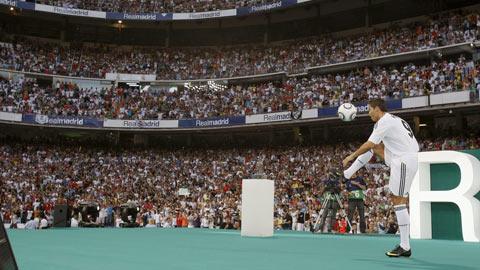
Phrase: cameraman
{"type": "Point", "coordinates": [355, 187]}
{"type": "Point", "coordinates": [330, 190]}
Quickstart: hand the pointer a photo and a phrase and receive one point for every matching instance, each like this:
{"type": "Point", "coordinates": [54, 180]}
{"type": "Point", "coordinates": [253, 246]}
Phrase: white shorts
{"type": "Point", "coordinates": [402, 172]}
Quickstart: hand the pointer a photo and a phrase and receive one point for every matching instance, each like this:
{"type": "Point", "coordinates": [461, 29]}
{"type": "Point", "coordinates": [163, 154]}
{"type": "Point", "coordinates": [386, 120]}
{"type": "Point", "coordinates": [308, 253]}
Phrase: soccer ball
{"type": "Point", "coordinates": [347, 112]}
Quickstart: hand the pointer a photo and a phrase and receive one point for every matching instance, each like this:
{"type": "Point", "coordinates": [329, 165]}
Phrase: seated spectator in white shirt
{"type": "Point", "coordinates": [118, 221]}
{"type": "Point", "coordinates": [157, 218]}
{"type": "Point", "coordinates": [74, 222]}
{"type": "Point", "coordinates": [204, 222]}
{"type": "Point", "coordinates": [32, 224]}
{"type": "Point", "coordinates": [43, 223]}
{"type": "Point", "coordinates": [14, 222]}
{"type": "Point", "coordinates": [167, 223]}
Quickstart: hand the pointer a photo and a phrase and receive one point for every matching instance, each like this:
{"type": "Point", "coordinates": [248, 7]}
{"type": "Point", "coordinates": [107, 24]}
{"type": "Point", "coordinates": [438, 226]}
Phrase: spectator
{"type": "Point", "coordinates": [43, 223]}
{"type": "Point", "coordinates": [32, 224]}
{"type": "Point", "coordinates": [74, 221]}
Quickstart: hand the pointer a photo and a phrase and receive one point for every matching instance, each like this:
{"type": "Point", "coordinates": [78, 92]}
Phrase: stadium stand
{"type": "Point", "coordinates": [153, 6]}
{"type": "Point", "coordinates": [314, 91]}
{"type": "Point", "coordinates": [94, 61]}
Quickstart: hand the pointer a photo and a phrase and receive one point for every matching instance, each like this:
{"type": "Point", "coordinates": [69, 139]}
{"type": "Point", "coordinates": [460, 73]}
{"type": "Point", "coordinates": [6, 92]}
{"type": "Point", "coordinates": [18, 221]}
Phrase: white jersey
{"type": "Point", "coordinates": [396, 135]}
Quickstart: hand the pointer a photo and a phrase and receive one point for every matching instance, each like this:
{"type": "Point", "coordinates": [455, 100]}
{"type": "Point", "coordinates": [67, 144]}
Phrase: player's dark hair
{"type": "Point", "coordinates": [378, 102]}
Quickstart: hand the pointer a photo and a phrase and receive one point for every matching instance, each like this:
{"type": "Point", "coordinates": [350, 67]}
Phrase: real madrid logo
{"type": "Point", "coordinates": [296, 114]}
{"type": "Point", "coordinates": [41, 119]}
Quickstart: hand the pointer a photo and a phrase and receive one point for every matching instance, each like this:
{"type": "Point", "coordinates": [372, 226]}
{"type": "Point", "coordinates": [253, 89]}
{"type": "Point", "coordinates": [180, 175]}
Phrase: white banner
{"type": "Point", "coordinates": [131, 77]}
{"type": "Point", "coordinates": [453, 97]}
{"type": "Point", "coordinates": [310, 113]}
{"type": "Point", "coordinates": [266, 7]}
{"type": "Point", "coordinates": [205, 15]}
{"type": "Point", "coordinates": [414, 102]}
{"type": "Point", "coordinates": [14, 117]}
{"type": "Point", "coordinates": [146, 124]}
{"type": "Point", "coordinates": [270, 117]}
{"type": "Point", "coordinates": [71, 11]}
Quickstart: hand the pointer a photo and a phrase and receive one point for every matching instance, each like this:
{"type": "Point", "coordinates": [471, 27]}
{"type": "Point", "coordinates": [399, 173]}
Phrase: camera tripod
{"type": "Point", "coordinates": [320, 221]}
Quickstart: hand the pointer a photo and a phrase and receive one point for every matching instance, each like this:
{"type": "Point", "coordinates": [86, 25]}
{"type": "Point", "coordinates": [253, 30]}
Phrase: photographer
{"type": "Point", "coordinates": [331, 188]}
{"type": "Point", "coordinates": [355, 187]}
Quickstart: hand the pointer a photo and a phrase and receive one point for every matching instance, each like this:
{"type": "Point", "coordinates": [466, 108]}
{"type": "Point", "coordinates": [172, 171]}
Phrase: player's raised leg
{"type": "Point", "coordinates": [357, 164]}
{"type": "Point", "coordinates": [363, 159]}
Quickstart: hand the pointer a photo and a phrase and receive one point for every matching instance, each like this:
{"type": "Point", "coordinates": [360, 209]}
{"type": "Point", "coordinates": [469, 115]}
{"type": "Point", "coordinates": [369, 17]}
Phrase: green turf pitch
{"type": "Point", "coordinates": [118, 249]}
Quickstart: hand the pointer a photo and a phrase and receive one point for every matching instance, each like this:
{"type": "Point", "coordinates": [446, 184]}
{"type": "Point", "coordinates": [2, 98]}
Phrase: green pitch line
{"type": "Point", "coordinates": [118, 249]}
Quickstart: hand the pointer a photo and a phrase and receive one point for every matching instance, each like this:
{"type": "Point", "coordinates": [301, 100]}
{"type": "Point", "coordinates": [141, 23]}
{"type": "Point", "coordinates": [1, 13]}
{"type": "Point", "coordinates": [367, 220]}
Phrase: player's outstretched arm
{"type": "Point", "coordinates": [367, 146]}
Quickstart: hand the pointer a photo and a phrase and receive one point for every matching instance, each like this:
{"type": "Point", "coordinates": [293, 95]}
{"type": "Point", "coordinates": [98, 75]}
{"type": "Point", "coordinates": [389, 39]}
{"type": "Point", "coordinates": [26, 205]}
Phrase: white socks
{"type": "Point", "coordinates": [403, 219]}
{"type": "Point", "coordinates": [358, 163]}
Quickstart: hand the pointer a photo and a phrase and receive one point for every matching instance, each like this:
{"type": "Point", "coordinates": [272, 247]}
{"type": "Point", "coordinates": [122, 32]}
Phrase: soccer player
{"type": "Point", "coordinates": [392, 139]}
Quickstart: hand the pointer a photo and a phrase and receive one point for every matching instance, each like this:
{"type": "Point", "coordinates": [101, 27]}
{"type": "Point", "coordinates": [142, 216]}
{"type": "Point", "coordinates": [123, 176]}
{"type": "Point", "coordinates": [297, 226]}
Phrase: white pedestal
{"type": "Point", "coordinates": [257, 207]}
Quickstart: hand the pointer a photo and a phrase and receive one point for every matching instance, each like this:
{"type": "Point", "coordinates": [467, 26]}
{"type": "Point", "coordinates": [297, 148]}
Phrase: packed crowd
{"type": "Point", "coordinates": [89, 60]}
{"type": "Point", "coordinates": [36, 177]}
{"type": "Point", "coordinates": [154, 6]}
{"type": "Point", "coordinates": [26, 96]}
